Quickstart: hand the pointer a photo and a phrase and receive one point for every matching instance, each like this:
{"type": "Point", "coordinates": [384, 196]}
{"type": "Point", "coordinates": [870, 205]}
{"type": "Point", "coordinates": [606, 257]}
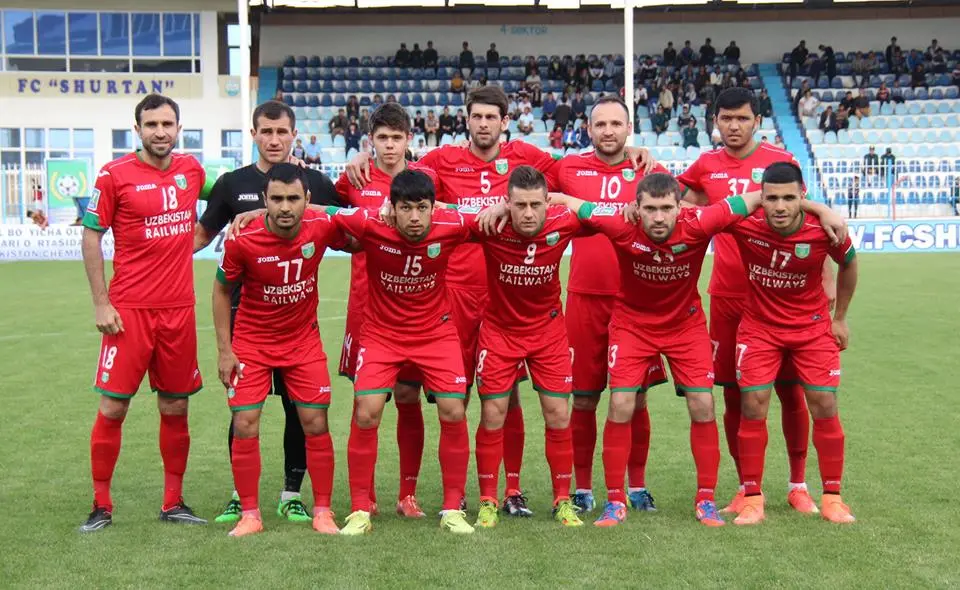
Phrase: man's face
{"type": "Point", "coordinates": [528, 210]}
{"type": "Point", "coordinates": [485, 125]}
{"type": "Point", "coordinates": [781, 205]}
{"type": "Point", "coordinates": [609, 128]}
{"type": "Point", "coordinates": [413, 218]}
{"type": "Point", "coordinates": [285, 204]}
{"type": "Point", "coordinates": [274, 138]}
{"type": "Point", "coordinates": [736, 126]}
{"type": "Point", "coordinates": [390, 144]}
{"type": "Point", "coordinates": [658, 215]}
{"type": "Point", "coordinates": [158, 131]}
{"type": "Point", "coordinates": [313, 139]}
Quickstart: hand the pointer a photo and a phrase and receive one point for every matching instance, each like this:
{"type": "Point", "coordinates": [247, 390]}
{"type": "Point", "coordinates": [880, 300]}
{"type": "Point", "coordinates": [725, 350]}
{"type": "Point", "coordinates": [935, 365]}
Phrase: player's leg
{"type": "Point", "coordinates": [232, 511]}
{"type": "Point", "coordinates": [104, 450]}
{"type": "Point", "coordinates": [795, 419]}
{"type": "Point", "coordinates": [294, 456]}
{"type": "Point", "coordinates": [725, 313]}
{"type": "Point", "coordinates": [410, 440]}
{"type": "Point", "coordinates": [514, 439]}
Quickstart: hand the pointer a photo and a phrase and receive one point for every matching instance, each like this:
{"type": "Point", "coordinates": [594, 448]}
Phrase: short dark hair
{"type": "Point", "coordinates": [287, 174]}
{"type": "Point", "coordinates": [612, 99]}
{"type": "Point", "coordinates": [658, 185]}
{"type": "Point", "coordinates": [782, 173]}
{"type": "Point", "coordinates": [527, 178]}
{"type": "Point", "coordinates": [155, 101]}
{"type": "Point", "coordinates": [412, 186]}
{"type": "Point", "coordinates": [392, 116]}
{"type": "Point", "coordinates": [734, 98]}
{"type": "Point", "coordinates": [491, 95]}
{"type": "Point", "coordinates": [273, 110]}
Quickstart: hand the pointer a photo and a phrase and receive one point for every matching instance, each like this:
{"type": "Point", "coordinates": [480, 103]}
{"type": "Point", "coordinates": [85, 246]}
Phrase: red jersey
{"type": "Point", "coordinates": [524, 273]}
{"type": "Point", "coordinates": [467, 180]}
{"type": "Point", "coordinates": [785, 273]}
{"type": "Point", "coordinates": [151, 212]}
{"type": "Point", "coordinates": [658, 280]}
{"type": "Point", "coordinates": [587, 177]}
{"type": "Point", "coordinates": [719, 175]}
{"type": "Point", "coordinates": [408, 293]}
{"type": "Point", "coordinates": [278, 276]}
{"type": "Point", "coordinates": [372, 195]}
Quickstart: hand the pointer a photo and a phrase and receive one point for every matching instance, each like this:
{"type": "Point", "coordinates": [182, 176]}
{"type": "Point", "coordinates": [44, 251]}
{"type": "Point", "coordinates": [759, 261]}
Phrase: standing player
{"type": "Point", "coordinates": [408, 322]}
{"type": "Point", "coordinates": [787, 314]}
{"type": "Point", "coordinates": [524, 323]}
{"type": "Point", "coordinates": [390, 133]}
{"type": "Point", "coordinates": [239, 191]}
{"type": "Point", "coordinates": [275, 260]}
{"type": "Point", "coordinates": [737, 168]}
{"type": "Point", "coordinates": [147, 317]}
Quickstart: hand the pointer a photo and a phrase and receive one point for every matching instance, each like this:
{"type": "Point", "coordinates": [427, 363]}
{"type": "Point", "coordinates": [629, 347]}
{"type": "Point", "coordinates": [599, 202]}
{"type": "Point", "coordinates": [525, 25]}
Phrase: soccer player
{"type": "Point", "coordinates": [737, 168]}
{"type": "Point", "coordinates": [147, 317]}
{"type": "Point", "coordinates": [390, 133]}
{"type": "Point", "coordinates": [523, 323]}
{"type": "Point", "coordinates": [275, 260]}
{"type": "Point", "coordinates": [604, 176]}
{"type": "Point", "coordinates": [408, 322]}
{"type": "Point", "coordinates": [787, 314]}
{"type": "Point", "coordinates": [239, 191]}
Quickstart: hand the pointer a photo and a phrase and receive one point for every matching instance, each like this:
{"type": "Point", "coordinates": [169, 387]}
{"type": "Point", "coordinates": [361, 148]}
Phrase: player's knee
{"type": "Point", "coordinates": [404, 393]}
{"type": "Point", "coordinates": [700, 406]}
{"type": "Point", "coordinates": [451, 409]}
{"type": "Point", "coordinates": [622, 406]}
{"type": "Point", "coordinates": [753, 405]}
{"type": "Point", "coordinates": [493, 414]}
{"type": "Point", "coordinates": [368, 414]}
{"type": "Point", "coordinates": [314, 422]}
{"type": "Point", "coordinates": [172, 406]}
{"type": "Point", "coordinates": [556, 415]}
{"type": "Point", "coordinates": [113, 408]}
{"type": "Point", "coordinates": [822, 404]}
{"type": "Point", "coordinates": [586, 403]}
{"type": "Point", "coordinates": [246, 424]}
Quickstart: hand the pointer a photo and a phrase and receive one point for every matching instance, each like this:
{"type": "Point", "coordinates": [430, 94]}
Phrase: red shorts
{"type": "Point", "coordinates": [545, 351]}
{"type": "Point", "coordinates": [161, 342]}
{"type": "Point", "coordinates": [761, 351]}
{"type": "Point", "coordinates": [587, 318]}
{"type": "Point", "coordinates": [467, 307]}
{"type": "Point", "coordinates": [725, 315]}
{"type": "Point", "coordinates": [303, 368]}
{"type": "Point", "coordinates": [348, 354]}
{"type": "Point", "coordinates": [635, 354]}
{"type": "Point", "coordinates": [434, 355]}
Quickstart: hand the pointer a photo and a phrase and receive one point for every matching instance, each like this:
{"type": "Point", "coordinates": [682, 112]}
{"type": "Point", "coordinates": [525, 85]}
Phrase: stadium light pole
{"type": "Point", "coordinates": [243, 11]}
{"type": "Point", "coordinates": [628, 65]}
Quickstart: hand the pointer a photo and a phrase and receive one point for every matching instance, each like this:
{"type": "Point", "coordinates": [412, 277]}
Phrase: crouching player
{"type": "Point", "coordinates": [276, 259]}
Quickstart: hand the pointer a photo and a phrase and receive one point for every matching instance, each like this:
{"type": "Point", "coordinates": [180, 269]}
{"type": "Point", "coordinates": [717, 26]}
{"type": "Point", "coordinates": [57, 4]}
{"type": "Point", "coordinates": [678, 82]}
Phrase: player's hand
{"type": "Point", "coordinates": [465, 143]}
{"type": "Point", "coordinates": [297, 161]}
{"type": "Point", "coordinates": [493, 219]}
{"type": "Point", "coordinates": [641, 159]}
{"type": "Point", "coordinates": [108, 320]}
{"type": "Point", "coordinates": [229, 369]}
{"type": "Point", "coordinates": [841, 332]}
{"type": "Point", "coordinates": [243, 220]}
{"type": "Point", "coordinates": [835, 227]}
{"type": "Point", "coordinates": [631, 213]}
{"type": "Point", "coordinates": [388, 214]}
{"type": "Point", "coordinates": [358, 170]}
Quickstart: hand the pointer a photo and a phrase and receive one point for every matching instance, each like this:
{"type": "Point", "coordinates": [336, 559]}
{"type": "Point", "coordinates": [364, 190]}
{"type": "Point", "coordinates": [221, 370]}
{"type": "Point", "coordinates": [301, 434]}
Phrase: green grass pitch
{"type": "Point", "coordinates": [897, 401]}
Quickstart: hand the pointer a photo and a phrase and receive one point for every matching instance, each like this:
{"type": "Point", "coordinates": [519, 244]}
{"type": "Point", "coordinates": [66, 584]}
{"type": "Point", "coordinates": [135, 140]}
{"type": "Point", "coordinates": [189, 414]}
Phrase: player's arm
{"type": "Point", "coordinates": [694, 192]}
{"type": "Point", "coordinates": [846, 285]}
{"type": "Point", "coordinates": [564, 200]}
{"type": "Point", "coordinates": [229, 273]}
{"type": "Point", "coordinates": [833, 223]}
{"type": "Point", "coordinates": [96, 220]}
{"type": "Point", "coordinates": [694, 197]}
{"type": "Point", "coordinates": [215, 217]}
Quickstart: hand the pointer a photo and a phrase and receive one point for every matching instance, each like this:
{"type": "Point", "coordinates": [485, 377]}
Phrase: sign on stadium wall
{"type": "Point", "coordinates": [24, 84]}
{"type": "Point", "coordinates": [908, 235]}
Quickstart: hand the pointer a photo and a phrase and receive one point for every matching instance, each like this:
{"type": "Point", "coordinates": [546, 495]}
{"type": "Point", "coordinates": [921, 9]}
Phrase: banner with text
{"type": "Point", "coordinates": [29, 84]}
{"type": "Point", "coordinates": [908, 235]}
{"type": "Point", "coordinates": [68, 183]}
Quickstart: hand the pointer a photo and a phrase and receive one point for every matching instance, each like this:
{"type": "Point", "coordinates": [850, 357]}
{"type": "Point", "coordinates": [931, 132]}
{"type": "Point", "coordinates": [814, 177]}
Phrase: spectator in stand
{"type": "Point", "coordinates": [419, 125]}
{"type": "Point", "coordinates": [569, 138]}
{"type": "Point", "coordinates": [665, 99]}
{"type": "Point", "coordinates": [525, 122]}
{"type": "Point", "coordinates": [338, 123]}
{"type": "Point", "coordinates": [708, 53]}
{"type": "Point", "coordinates": [764, 105]}
{"type": "Point", "coordinates": [583, 136]}
{"type": "Point", "coordinates": [669, 55]}
{"type": "Point", "coordinates": [814, 68]}
{"type": "Point", "coordinates": [353, 107]}
{"type": "Point", "coordinates": [457, 84]}
{"type": "Point", "coordinates": [690, 134]}
{"type": "Point", "coordinates": [460, 123]}
{"type": "Point", "coordinates": [391, 98]}
{"type": "Point", "coordinates": [555, 69]}
{"type": "Point", "coordinates": [690, 95]}
{"type": "Point", "coordinates": [609, 68]}
{"type": "Point", "coordinates": [524, 103]}
{"type": "Point", "coordinates": [955, 195]}
{"type": "Point", "coordinates": [596, 69]}
{"type": "Point", "coordinates": [660, 120]}
{"type": "Point", "coordinates": [648, 70]}
{"type": "Point", "coordinates": [513, 108]}
{"type": "Point", "coordinates": [298, 151]}
{"type": "Point", "coordinates": [798, 57]}
{"type": "Point", "coordinates": [422, 148]}
{"type": "Point", "coordinates": [707, 96]}
{"type": "Point", "coordinates": [828, 120]}
{"type": "Point", "coordinates": [431, 129]}
{"type": "Point", "coordinates": [578, 106]}
{"type": "Point", "coordinates": [829, 61]}
{"type": "Point", "coordinates": [687, 56]}
{"type": "Point", "coordinates": [564, 113]}
{"type": "Point", "coordinates": [955, 76]}
{"type": "Point", "coordinates": [891, 49]}
{"type": "Point", "coordinates": [727, 81]}
{"type": "Point", "coordinates": [530, 65]}
{"type": "Point", "coordinates": [939, 62]}
{"type": "Point", "coordinates": [582, 64]}
{"type": "Point", "coordinates": [549, 107]}
{"type": "Point", "coordinates": [808, 104]}
{"type": "Point", "coordinates": [883, 94]}
{"type": "Point", "coordinates": [534, 87]}
{"type": "Point", "coordinates": [843, 118]}
{"type": "Point", "coordinates": [914, 59]}
{"type": "Point", "coordinates": [416, 56]}
{"type": "Point", "coordinates": [430, 56]}
{"type": "Point", "coordinates": [493, 56]}
{"type": "Point", "coordinates": [377, 101]}
{"type": "Point", "coordinates": [899, 64]}
{"type": "Point", "coordinates": [804, 86]}
{"type": "Point", "coordinates": [446, 123]}
{"type": "Point", "coordinates": [918, 78]}
{"type": "Point", "coordinates": [848, 101]}
{"type": "Point", "coordinates": [556, 137]}
{"type": "Point", "coordinates": [684, 118]}
{"type": "Point", "coordinates": [364, 121]}
{"type": "Point", "coordinates": [853, 198]}
{"type": "Point", "coordinates": [861, 105]}
{"type": "Point", "coordinates": [763, 139]}
{"type": "Point", "coordinates": [778, 141]}
{"type": "Point", "coordinates": [888, 165]}
{"type": "Point", "coordinates": [641, 97]}
{"type": "Point", "coordinates": [896, 93]}
{"type": "Point", "coordinates": [475, 83]}
{"type": "Point", "coordinates": [871, 163]}
{"type": "Point", "coordinates": [715, 138]}
{"type": "Point", "coordinates": [402, 58]}
{"type": "Point", "coordinates": [312, 151]}
{"type": "Point", "coordinates": [871, 66]}
{"type": "Point", "coordinates": [932, 49]}
{"type": "Point", "coordinates": [352, 137]}
{"type": "Point", "coordinates": [732, 53]}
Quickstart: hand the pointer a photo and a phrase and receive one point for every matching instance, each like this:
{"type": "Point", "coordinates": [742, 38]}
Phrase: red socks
{"type": "Point", "coordinates": [489, 453]}
{"type": "Point", "coordinates": [513, 439]}
{"type": "Point", "coordinates": [174, 450]}
{"type": "Point", "coordinates": [246, 471]}
{"type": "Point", "coordinates": [753, 448]}
{"type": "Point", "coordinates": [828, 438]}
{"type": "Point", "coordinates": [616, 451]}
{"type": "Point", "coordinates": [320, 467]}
{"type": "Point", "coordinates": [410, 447]}
{"type": "Point", "coordinates": [796, 428]}
{"type": "Point", "coordinates": [559, 451]}
{"type": "Point", "coordinates": [104, 450]}
{"type": "Point", "coordinates": [454, 457]}
{"type": "Point", "coordinates": [640, 448]}
{"type": "Point", "coordinates": [583, 424]}
{"type": "Point", "coordinates": [731, 423]}
{"type": "Point", "coordinates": [361, 461]}
{"type": "Point", "coordinates": [705, 444]}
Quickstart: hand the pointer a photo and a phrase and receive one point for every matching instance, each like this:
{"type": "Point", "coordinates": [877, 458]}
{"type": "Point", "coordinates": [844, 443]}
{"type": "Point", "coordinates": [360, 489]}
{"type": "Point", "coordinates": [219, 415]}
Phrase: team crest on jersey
{"type": "Point", "coordinates": [433, 250]}
{"type": "Point", "coordinates": [552, 238]}
{"type": "Point", "coordinates": [802, 250]}
{"type": "Point", "coordinates": [181, 181]}
{"type": "Point", "coordinates": [757, 175]}
{"type": "Point", "coordinates": [629, 174]}
{"type": "Point", "coordinates": [94, 200]}
{"type": "Point", "coordinates": [502, 166]}
{"type": "Point", "coordinates": [105, 377]}
{"type": "Point", "coordinates": [678, 248]}
{"type": "Point", "coordinates": [308, 250]}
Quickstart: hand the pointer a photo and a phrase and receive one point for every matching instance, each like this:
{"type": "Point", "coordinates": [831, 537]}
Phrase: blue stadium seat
{"type": "Point", "coordinates": [313, 86]}
{"type": "Point", "coordinates": [365, 101]}
{"type": "Point", "coordinates": [289, 61]}
{"type": "Point", "coordinates": [364, 86]}
{"type": "Point", "coordinates": [300, 100]}
{"type": "Point", "coordinates": [921, 93]}
{"type": "Point", "coordinates": [301, 61]}
{"type": "Point", "coordinates": [339, 100]}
